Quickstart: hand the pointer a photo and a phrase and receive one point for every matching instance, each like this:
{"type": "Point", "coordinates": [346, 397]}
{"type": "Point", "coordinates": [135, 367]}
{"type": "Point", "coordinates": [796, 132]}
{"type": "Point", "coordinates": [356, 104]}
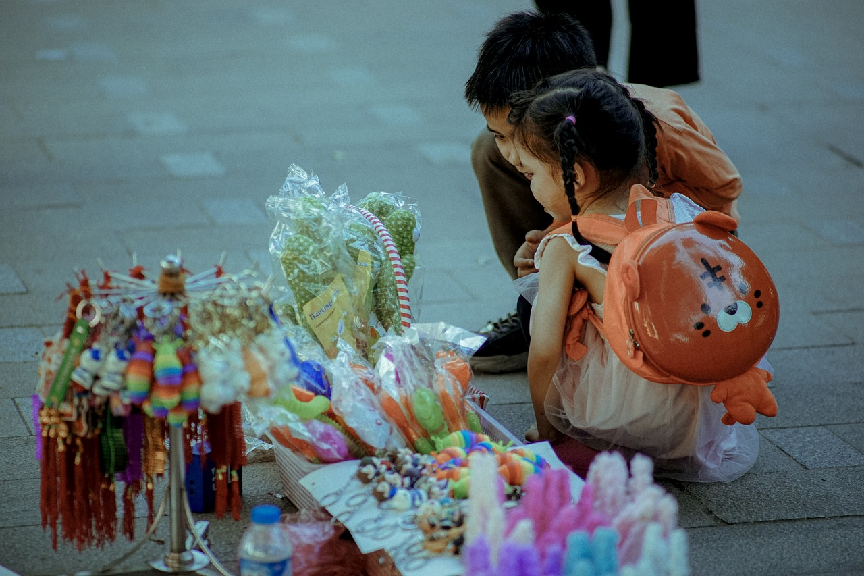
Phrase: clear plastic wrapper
{"type": "Point", "coordinates": [321, 547]}
{"type": "Point", "coordinates": [369, 257]}
{"type": "Point", "coordinates": [423, 377]}
{"type": "Point", "coordinates": [307, 245]}
{"type": "Point", "coordinates": [354, 399]}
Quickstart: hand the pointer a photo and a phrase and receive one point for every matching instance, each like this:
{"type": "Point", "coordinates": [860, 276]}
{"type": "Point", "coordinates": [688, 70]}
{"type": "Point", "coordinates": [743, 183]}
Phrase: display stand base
{"type": "Point", "coordinates": [188, 561]}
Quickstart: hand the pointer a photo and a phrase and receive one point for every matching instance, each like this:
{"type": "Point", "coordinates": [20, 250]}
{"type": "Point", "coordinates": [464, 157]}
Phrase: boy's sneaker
{"type": "Point", "coordinates": [505, 349]}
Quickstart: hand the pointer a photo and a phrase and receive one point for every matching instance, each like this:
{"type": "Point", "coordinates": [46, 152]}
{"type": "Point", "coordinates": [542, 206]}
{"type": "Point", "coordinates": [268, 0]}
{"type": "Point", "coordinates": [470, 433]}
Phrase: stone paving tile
{"type": "Point", "coordinates": [272, 15]}
{"type": "Point", "coordinates": [69, 119]}
{"type": "Point", "coordinates": [10, 283]}
{"type": "Point", "coordinates": [843, 294]}
{"type": "Point", "coordinates": [811, 547]}
{"type": "Point", "coordinates": [846, 322]}
{"type": "Point", "coordinates": [311, 43]}
{"type": "Point", "coordinates": [59, 194]}
{"type": "Point", "coordinates": [11, 421]}
{"type": "Point", "coordinates": [24, 405]}
{"type": "Point", "coordinates": [852, 434]}
{"type": "Point", "coordinates": [397, 114]}
{"type": "Point", "coordinates": [19, 460]}
{"type": "Point", "coordinates": [516, 418]}
{"type": "Point", "coordinates": [773, 459]}
{"type": "Point", "coordinates": [443, 288]}
{"type": "Point", "coordinates": [23, 510]}
{"type": "Point", "coordinates": [691, 512]}
{"type": "Point", "coordinates": [821, 493]}
{"type": "Point", "coordinates": [440, 153]}
{"type": "Point", "coordinates": [815, 447]}
{"type": "Point", "coordinates": [145, 213]}
{"type": "Point", "coordinates": [199, 242]}
{"type": "Point", "coordinates": [805, 330]}
{"type": "Point", "coordinates": [22, 516]}
{"type": "Point", "coordinates": [20, 344]}
{"type": "Point", "coordinates": [35, 235]}
{"type": "Point", "coordinates": [812, 366]}
{"type": "Point", "coordinates": [505, 389]}
{"type": "Point", "coordinates": [52, 54]}
{"type": "Point", "coordinates": [169, 188]}
{"type": "Point", "coordinates": [46, 279]}
{"type": "Point", "coordinates": [29, 553]}
{"type": "Point", "coordinates": [17, 379]}
{"type": "Point", "coordinates": [20, 310]}
{"type": "Point", "coordinates": [93, 52]}
{"type": "Point", "coordinates": [123, 86]}
{"type": "Point", "coordinates": [838, 231]}
{"type": "Point", "coordinates": [264, 261]}
{"type": "Point", "coordinates": [815, 404]}
{"type": "Point", "coordinates": [457, 314]}
{"type": "Point", "coordinates": [192, 165]}
{"type": "Point", "coordinates": [156, 123]}
{"type": "Point", "coordinates": [234, 211]}
{"type": "Point", "coordinates": [66, 22]}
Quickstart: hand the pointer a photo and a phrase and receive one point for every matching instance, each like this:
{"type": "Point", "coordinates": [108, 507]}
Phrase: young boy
{"type": "Point", "coordinates": [520, 50]}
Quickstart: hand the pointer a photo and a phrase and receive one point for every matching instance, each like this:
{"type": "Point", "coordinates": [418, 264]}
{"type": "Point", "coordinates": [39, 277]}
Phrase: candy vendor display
{"type": "Point", "coordinates": [138, 355]}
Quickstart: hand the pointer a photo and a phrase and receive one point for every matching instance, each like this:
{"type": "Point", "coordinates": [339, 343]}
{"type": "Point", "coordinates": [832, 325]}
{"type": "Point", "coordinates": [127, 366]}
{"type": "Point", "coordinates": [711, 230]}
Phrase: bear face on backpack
{"type": "Point", "coordinates": [695, 302]}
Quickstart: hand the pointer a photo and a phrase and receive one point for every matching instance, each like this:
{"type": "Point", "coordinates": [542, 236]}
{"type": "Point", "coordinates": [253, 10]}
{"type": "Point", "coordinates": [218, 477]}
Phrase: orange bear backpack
{"type": "Point", "coordinates": [688, 303]}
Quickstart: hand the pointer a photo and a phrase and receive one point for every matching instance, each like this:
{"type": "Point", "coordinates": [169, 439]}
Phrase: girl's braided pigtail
{"type": "Point", "coordinates": [649, 128]}
{"type": "Point", "coordinates": [566, 136]}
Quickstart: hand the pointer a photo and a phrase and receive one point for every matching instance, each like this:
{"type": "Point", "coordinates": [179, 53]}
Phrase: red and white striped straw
{"type": "Point", "coordinates": [396, 263]}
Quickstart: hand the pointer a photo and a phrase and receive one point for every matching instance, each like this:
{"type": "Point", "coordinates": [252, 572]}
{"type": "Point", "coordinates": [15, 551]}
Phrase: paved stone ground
{"type": "Point", "coordinates": [150, 126]}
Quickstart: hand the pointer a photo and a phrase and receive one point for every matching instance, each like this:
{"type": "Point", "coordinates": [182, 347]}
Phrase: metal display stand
{"type": "Point", "coordinates": [180, 557]}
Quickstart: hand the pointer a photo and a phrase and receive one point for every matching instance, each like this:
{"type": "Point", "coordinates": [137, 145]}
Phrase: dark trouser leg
{"type": "Point", "coordinates": [663, 43]}
{"type": "Point", "coordinates": [511, 210]}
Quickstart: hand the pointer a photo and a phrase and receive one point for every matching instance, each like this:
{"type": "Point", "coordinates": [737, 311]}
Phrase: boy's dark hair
{"type": "Point", "coordinates": [587, 116]}
{"type": "Point", "coordinates": [522, 49]}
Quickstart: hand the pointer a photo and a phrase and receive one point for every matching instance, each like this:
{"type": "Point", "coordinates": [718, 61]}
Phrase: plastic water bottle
{"type": "Point", "coordinates": [265, 549]}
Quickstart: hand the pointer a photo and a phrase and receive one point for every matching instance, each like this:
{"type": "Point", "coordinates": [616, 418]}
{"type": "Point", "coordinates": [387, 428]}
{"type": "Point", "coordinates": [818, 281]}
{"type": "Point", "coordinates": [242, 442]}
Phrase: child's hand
{"type": "Point", "coordinates": [524, 258]}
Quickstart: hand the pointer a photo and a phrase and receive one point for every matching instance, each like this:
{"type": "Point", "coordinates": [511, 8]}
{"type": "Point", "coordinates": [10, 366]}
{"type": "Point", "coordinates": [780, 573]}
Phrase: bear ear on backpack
{"type": "Point", "coordinates": [715, 219]}
{"type": "Point", "coordinates": [629, 274]}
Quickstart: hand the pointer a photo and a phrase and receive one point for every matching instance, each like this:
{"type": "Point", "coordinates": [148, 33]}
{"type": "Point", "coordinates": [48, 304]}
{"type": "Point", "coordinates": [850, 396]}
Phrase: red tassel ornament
{"type": "Point", "coordinates": [236, 500]}
{"type": "Point", "coordinates": [221, 491]}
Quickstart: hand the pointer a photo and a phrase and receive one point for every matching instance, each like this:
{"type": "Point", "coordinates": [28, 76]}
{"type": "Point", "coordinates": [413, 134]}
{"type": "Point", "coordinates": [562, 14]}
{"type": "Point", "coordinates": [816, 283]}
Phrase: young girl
{"type": "Point", "coordinates": [583, 142]}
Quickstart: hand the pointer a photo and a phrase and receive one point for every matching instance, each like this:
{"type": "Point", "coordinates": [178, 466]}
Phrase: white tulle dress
{"type": "Point", "coordinates": [603, 404]}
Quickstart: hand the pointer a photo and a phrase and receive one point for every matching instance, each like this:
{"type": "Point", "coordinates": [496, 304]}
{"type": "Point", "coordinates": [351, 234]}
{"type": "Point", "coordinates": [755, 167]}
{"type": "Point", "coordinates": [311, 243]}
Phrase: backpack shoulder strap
{"type": "Point", "coordinates": [597, 229]}
{"type": "Point", "coordinates": [645, 209]}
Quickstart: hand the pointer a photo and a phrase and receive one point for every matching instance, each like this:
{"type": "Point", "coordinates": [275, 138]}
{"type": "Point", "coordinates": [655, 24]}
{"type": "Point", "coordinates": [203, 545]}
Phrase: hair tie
{"type": "Point", "coordinates": [571, 119]}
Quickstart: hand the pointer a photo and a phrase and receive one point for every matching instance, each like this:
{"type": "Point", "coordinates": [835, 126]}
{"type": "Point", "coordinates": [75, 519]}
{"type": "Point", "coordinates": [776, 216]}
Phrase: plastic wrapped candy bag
{"type": "Point", "coordinates": [355, 399]}
{"type": "Point", "coordinates": [369, 257]}
{"type": "Point", "coordinates": [307, 245]}
{"type": "Point", "coordinates": [423, 377]}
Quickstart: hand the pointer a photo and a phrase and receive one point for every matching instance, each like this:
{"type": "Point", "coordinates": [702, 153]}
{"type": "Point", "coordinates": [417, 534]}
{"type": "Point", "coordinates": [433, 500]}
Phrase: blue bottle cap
{"type": "Point", "coordinates": [266, 514]}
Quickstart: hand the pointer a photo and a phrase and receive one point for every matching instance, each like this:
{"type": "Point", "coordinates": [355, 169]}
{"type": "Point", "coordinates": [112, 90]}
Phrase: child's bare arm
{"type": "Point", "coordinates": [548, 317]}
{"type": "Point", "coordinates": [561, 271]}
